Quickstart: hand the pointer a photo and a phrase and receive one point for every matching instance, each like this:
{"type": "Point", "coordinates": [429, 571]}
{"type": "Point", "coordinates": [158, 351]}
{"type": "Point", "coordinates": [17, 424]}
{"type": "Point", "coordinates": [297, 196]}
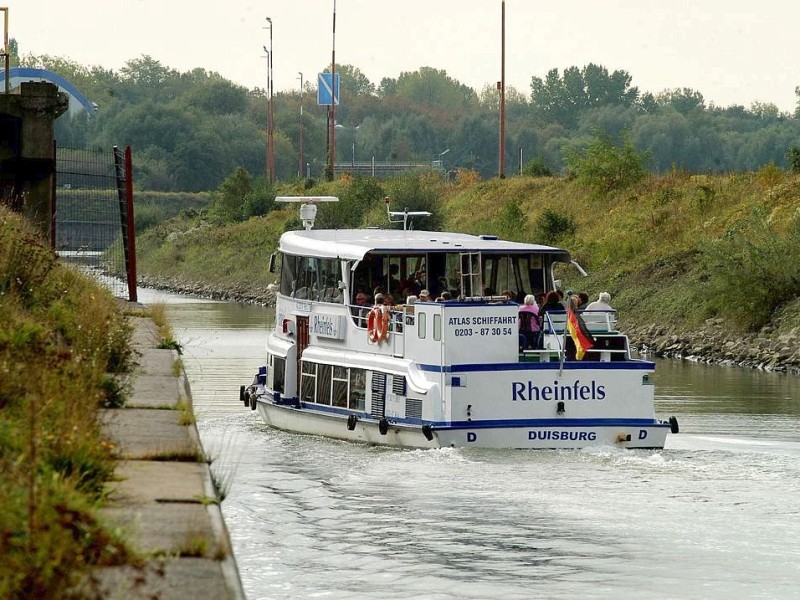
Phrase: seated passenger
{"type": "Point", "coordinates": [362, 299]}
{"type": "Point", "coordinates": [602, 302]}
{"type": "Point", "coordinates": [599, 315]}
{"type": "Point", "coordinates": [394, 279]}
{"type": "Point", "coordinates": [529, 323]}
{"type": "Point", "coordinates": [424, 296]}
{"type": "Point", "coordinates": [552, 303]}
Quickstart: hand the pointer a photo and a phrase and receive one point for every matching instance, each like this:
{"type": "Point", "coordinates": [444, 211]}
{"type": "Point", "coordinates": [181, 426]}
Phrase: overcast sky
{"type": "Point", "coordinates": [732, 51]}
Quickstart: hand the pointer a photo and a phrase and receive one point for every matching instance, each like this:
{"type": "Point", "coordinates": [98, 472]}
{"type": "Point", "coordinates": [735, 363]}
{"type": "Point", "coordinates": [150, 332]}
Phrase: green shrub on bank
{"type": "Point", "coordinates": [153, 208]}
{"type": "Point", "coordinates": [61, 333]}
{"type": "Point", "coordinates": [753, 269]}
{"type": "Point", "coordinates": [552, 226]}
{"type": "Point", "coordinates": [603, 166]}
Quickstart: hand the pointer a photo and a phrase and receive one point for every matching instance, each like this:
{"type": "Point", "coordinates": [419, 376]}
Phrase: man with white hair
{"type": "Point", "coordinates": [601, 303]}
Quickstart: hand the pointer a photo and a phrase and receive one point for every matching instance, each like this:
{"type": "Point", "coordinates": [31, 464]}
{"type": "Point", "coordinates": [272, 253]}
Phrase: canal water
{"type": "Point", "coordinates": [714, 515]}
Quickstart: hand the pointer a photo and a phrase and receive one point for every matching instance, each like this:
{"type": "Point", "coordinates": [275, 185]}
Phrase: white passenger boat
{"type": "Point", "coordinates": [448, 373]}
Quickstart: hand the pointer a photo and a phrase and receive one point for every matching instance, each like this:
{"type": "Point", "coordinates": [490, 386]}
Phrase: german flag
{"type": "Point", "coordinates": [579, 333]}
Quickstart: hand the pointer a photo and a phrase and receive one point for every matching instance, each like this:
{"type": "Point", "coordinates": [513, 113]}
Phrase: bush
{"type": "Point", "coordinates": [536, 168]}
{"type": "Point", "coordinates": [752, 270]}
{"type": "Point", "coordinates": [793, 156]}
{"type": "Point", "coordinates": [258, 202]}
{"type": "Point", "coordinates": [603, 166]}
{"type": "Point", "coordinates": [550, 226]}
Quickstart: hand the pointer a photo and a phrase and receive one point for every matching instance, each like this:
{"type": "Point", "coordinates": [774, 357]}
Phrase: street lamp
{"type": "Point", "coordinates": [270, 111]}
{"type": "Point", "coordinates": [439, 162]}
{"type": "Point", "coordinates": [354, 130]}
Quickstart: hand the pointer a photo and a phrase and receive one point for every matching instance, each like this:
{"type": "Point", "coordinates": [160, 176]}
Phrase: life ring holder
{"type": "Point", "coordinates": [378, 325]}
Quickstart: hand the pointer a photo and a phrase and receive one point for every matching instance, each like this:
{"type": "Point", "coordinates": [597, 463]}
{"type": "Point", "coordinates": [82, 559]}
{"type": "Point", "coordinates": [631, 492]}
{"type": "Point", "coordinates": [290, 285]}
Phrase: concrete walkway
{"type": "Point", "coordinates": [163, 496]}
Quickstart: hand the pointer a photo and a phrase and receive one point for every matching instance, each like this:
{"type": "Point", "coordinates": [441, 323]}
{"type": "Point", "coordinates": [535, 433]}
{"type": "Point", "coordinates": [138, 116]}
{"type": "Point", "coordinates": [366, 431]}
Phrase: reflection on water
{"type": "Point", "coordinates": [715, 515]}
{"type": "Point", "coordinates": [729, 400]}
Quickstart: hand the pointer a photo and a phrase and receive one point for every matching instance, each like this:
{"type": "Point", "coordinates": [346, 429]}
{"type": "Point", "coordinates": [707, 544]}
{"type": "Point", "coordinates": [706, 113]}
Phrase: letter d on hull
{"type": "Point", "coordinates": [642, 434]}
{"type": "Point", "coordinates": [471, 437]}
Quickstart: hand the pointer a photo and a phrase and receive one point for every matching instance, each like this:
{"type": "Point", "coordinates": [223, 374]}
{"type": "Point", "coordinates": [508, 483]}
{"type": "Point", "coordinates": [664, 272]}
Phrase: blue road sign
{"type": "Point", "coordinates": [324, 89]}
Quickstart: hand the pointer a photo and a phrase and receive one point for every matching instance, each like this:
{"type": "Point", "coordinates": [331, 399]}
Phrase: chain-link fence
{"type": "Point", "coordinates": [93, 215]}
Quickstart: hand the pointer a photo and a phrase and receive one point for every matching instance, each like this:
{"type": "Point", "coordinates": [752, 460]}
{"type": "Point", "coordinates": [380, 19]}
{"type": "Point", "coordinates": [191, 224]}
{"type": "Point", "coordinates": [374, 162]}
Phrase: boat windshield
{"type": "Point", "coordinates": [311, 278]}
{"type": "Point", "coordinates": [459, 274]}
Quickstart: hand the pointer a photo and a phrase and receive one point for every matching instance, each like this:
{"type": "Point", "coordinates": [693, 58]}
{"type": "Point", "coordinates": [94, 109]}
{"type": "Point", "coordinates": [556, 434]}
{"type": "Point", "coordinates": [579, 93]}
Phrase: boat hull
{"type": "Point", "coordinates": [567, 434]}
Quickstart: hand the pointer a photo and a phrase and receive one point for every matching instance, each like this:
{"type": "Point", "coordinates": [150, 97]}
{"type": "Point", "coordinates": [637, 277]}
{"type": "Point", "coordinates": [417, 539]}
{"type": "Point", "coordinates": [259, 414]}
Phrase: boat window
{"type": "Point", "coordinates": [401, 275]}
{"type": "Point", "coordinates": [532, 273]}
{"type": "Point", "coordinates": [329, 274]}
{"type": "Point", "coordinates": [305, 285]}
{"type": "Point", "coordinates": [278, 371]}
{"type": "Point", "coordinates": [340, 381]}
{"type": "Point", "coordinates": [358, 388]}
{"type": "Point", "coordinates": [437, 327]}
{"type": "Point", "coordinates": [288, 274]}
{"type": "Point", "coordinates": [324, 384]}
{"type": "Point", "coordinates": [471, 279]}
{"type": "Point", "coordinates": [308, 382]}
{"type": "Point", "coordinates": [421, 323]}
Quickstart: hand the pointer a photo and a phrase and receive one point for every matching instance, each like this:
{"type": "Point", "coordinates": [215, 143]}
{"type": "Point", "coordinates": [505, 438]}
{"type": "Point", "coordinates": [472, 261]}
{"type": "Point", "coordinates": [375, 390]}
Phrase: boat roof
{"type": "Point", "coordinates": [354, 244]}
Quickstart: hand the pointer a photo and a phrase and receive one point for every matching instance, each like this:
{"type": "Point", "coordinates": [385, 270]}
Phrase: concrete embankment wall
{"type": "Point", "coordinates": [163, 495]}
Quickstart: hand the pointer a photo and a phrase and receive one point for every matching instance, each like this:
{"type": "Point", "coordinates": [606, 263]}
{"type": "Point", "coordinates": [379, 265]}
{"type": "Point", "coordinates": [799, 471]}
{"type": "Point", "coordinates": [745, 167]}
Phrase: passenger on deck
{"type": "Point", "coordinates": [529, 323]}
{"type": "Point", "coordinates": [602, 302]}
{"type": "Point", "coordinates": [362, 299]}
{"type": "Point", "coordinates": [394, 280]}
{"type": "Point", "coordinates": [552, 303]}
{"type": "Point", "coordinates": [424, 296]}
{"type": "Point", "coordinates": [583, 299]}
{"type": "Point", "coordinates": [444, 297]}
{"type": "Point", "coordinates": [412, 283]}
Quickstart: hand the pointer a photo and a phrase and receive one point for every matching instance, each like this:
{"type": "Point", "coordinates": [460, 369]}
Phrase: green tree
{"type": "Point", "coordinates": [793, 156]}
{"type": "Point", "coordinates": [387, 87]}
{"type": "Point", "coordinates": [433, 87]}
{"type": "Point", "coordinates": [230, 197]}
{"type": "Point", "coordinates": [216, 96]}
{"type": "Point", "coordinates": [259, 200]}
{"type": "Point", "coordinates": [797, 108]}
{"type": "Point", "coordinates": [536, 168]}
{"type": "Point", "coordinates": [603, 166]}
{"type": "Point", "coordinates": [562, 99]}
{"type": "Point", "coordinates": [352, 82]}
{"type": "Point", "coordinates": [684, 100]}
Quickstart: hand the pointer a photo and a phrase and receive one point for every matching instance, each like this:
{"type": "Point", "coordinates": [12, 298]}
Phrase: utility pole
{"type": "Point", "coordinates": [270, 111]}
{"type": "Point", "coordinates": [331, 158]}
{"type": "Point", "coordinates": [302, 92]}
{"type": "Point", "coordinates": [501, 86]}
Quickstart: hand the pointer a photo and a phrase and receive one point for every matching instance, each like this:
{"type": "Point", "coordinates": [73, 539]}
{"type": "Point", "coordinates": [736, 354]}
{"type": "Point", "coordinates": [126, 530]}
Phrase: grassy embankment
{"type": "Point", "coordinates": [674, 250]}
{"type": "Point", "coordinates": [61, 336]}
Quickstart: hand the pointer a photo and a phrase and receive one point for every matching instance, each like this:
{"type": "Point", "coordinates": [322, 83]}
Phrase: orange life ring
{"type": "Point", "coordinates": [378, 325]}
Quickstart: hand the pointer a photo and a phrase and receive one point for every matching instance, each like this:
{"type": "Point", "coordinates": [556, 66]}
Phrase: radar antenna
{"type": "Point", "coordinates": [308, 210]}
{"type": "Point", "coordinates": [402, 216]}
